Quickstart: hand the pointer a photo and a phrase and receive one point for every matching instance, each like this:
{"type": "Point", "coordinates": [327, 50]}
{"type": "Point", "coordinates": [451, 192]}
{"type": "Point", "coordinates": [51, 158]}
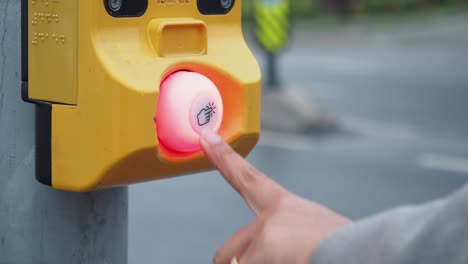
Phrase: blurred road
{"type": "Point", "coordinates": [399, 91]}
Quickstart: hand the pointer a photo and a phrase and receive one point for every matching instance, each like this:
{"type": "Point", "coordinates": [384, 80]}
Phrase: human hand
{"type": "Point", "coordinates": [287, 228]}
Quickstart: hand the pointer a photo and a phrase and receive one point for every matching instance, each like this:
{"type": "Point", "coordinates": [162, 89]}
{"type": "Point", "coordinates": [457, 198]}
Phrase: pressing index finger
{"type": "Point", "coordinates": [258, 190]}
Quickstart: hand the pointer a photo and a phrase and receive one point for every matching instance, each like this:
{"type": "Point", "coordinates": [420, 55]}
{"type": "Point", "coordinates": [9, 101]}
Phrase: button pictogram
{"type": "Point", "coordinates": [206, 114]}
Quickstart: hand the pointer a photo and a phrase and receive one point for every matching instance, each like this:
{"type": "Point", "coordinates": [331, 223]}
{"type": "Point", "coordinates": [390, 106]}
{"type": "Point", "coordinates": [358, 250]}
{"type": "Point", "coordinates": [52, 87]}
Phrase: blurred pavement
{"type": "Point", "coordinates": [399, 92]}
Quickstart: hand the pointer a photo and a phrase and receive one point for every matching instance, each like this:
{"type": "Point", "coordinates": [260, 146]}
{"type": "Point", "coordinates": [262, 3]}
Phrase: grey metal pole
{"type": "Point", "coordinates": [39, 224]}
{"type": "Point", "coordinates": [272, 78]}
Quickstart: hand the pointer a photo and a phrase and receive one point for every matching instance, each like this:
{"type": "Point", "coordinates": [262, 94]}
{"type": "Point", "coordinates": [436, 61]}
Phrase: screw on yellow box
{"type": "Point", "coordinates": [94, 69]}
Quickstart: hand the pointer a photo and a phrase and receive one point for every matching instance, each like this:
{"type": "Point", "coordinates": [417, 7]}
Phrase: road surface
{"type": "Point", "coordinates": [399, 92]}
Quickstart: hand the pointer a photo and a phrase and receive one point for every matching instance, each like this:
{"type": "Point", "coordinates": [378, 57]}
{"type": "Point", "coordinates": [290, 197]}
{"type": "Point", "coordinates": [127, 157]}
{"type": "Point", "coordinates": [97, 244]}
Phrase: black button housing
{"type": "Point", "coordinates": [126, 8]}
{"type": "Point", "coordinates": [215, 7]}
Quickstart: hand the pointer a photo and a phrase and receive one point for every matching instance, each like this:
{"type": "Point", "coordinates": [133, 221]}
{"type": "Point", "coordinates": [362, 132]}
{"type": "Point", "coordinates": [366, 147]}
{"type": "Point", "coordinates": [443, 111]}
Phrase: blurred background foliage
{"type": "Point", "coordinates": [309, 9]}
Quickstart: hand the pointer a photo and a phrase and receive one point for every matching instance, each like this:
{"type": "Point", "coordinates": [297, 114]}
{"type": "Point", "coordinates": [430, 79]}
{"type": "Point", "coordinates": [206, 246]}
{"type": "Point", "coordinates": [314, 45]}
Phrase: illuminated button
{"type": "Point", "coordinates": [188, 103]}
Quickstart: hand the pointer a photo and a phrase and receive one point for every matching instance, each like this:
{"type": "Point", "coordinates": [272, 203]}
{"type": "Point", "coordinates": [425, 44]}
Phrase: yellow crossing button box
{"type": "Point", "coordinates": [124, 88]}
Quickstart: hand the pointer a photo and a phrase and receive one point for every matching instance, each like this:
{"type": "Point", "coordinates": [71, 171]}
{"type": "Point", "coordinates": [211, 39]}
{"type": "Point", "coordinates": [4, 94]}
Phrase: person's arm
{"type": "Point", "coordinates": [290, 229]}
{"type": "Point", "coordinates": [436, 232]}
{"type": "Point", "coordinates": [287, 228]}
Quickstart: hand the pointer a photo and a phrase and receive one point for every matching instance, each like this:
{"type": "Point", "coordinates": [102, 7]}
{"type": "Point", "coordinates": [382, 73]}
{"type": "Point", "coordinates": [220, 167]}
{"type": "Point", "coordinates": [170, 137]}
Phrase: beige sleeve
{"type": "Point", "coordinates": [433, 233]}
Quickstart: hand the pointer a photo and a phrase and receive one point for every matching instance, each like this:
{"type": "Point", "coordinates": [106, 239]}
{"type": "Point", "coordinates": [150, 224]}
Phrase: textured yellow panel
{"type": "Point", "coordinates": [53, 51]}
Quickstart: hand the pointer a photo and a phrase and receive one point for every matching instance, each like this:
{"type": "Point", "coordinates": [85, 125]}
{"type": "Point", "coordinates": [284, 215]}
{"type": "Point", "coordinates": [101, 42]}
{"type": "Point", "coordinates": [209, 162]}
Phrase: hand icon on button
{"type": "Point", "coordinates": [205, 115]}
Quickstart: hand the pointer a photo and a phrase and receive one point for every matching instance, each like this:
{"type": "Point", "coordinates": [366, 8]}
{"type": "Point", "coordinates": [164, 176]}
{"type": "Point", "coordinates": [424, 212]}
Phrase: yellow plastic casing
{"type": "Point", "coordinates": [103, 74]}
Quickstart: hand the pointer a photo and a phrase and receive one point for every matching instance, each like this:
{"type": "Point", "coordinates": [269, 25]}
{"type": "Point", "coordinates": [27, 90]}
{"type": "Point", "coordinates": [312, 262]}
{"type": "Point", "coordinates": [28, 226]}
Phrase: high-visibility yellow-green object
{"type": "Point", "coordinates": [272, 23]}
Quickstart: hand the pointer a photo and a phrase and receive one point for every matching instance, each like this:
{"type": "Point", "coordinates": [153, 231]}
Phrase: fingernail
{"type": "Point", "coordinates": [211, 137]}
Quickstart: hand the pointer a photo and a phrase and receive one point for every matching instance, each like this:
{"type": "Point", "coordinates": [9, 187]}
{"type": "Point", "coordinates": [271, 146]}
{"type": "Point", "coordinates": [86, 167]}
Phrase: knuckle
{"type": "Point", "coordinates": [268, 234]}
{"type": "Point", "coordinates": [283, 201]}
{"type": "Point", "coordinates": [219, 257]}
{"type": "Point", "coordinates": [225, 156]}
{"type": "Point", "coordinates": [220, 153]}
{"type": "Point", "coordinates": [249, 175]}
{"type": "Point", "coordinates": [216, 259]}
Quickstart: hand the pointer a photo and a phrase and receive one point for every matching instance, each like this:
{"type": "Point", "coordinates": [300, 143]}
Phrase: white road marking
{"type": "Point", "coordinates": [443, 162]}
{"type": "Point", "coordinates": [372, 128]}
{"type": "Point", "coordinates": [287, 141]}
{"type": "Point", "coordinates": [378, 128]}
{"type": "Point", "coordinates": [375, 128]}
{"type": "Point", "coordinates": [291, 141]}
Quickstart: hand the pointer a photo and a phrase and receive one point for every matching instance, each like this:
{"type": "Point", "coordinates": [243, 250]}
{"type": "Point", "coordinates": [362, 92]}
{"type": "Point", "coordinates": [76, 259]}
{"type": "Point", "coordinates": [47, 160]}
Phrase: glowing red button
{"type": "Point", "coordinates": [188, 103]}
